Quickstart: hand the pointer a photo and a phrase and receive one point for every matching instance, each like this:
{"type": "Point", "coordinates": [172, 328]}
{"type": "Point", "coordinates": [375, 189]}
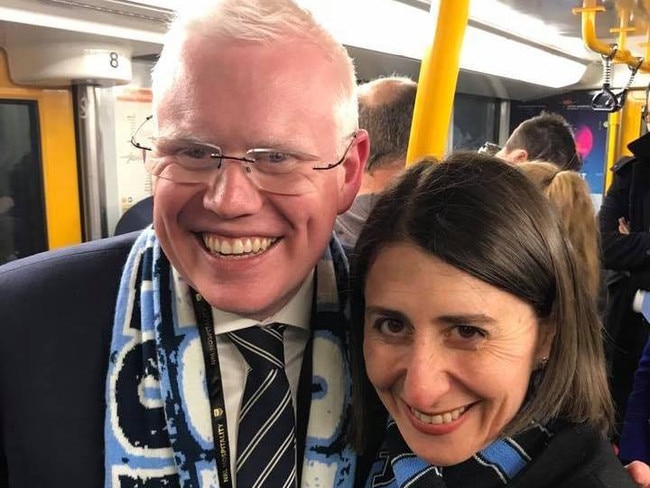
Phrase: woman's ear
{"type": "Point", "coordinates": [545, 338]}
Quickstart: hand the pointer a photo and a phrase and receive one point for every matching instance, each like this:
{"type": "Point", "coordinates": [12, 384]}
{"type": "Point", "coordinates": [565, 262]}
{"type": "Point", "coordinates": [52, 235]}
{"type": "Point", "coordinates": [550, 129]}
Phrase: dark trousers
{"type": "Point", "coordinates": [626, 333]}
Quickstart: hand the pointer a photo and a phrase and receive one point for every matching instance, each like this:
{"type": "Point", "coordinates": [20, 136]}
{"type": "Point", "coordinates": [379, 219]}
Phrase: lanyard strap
{"type": "Point", "coordinates": [203, 312]}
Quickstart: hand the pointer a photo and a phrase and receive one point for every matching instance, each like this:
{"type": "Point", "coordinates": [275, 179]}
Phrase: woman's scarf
{"type": "Point", "coordinates": [158, 430]}
{"type": "Point", "coordinates": [495, 466]}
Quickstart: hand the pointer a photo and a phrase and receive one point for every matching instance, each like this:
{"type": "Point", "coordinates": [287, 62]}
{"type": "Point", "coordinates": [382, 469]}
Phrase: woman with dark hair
{"type": "Point", "coordinates": [483, 352]}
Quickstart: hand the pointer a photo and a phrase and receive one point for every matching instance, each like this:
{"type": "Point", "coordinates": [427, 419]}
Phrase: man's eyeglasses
{"type": "Point", "coordinates": [281, 171]}
{"type": "Point", "coordinates": [489, 148]}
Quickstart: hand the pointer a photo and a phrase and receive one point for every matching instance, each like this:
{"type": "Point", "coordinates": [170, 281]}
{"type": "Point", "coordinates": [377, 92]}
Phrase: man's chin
{"type": "Point", "coordinates": [241, 303]}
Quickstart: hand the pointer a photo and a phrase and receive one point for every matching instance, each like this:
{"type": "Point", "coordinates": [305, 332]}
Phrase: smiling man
{"type": "Point", "coordinates": [209, 350]}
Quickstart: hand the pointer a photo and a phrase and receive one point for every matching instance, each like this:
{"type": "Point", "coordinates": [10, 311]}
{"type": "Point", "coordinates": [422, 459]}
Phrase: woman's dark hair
{"type": "Point", "coordinates": [487, 219]}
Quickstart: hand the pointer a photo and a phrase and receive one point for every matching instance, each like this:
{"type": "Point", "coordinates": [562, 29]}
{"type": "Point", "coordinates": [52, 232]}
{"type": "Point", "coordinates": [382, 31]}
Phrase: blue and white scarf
{"type": "Point", "coordinates": [157, 430]}
{"type": "Point", "coordinates": [495, 466]}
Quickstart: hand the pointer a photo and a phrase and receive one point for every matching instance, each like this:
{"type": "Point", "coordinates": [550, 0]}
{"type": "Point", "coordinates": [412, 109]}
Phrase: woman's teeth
{"type": "Point", "coordinates": [441, 418]}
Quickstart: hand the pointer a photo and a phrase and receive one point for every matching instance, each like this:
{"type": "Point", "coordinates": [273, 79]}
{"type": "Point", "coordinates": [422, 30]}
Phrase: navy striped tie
{"type": "Point", "coordinates": [266, 442]}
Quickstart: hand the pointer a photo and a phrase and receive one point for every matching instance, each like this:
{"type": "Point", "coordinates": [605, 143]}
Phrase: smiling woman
{"type": "Point", "coordinates": [482, 346]}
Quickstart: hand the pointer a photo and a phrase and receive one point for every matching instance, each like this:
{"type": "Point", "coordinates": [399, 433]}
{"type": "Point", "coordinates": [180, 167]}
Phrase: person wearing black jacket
{"type": "Point", "coordinates": [624, 225]}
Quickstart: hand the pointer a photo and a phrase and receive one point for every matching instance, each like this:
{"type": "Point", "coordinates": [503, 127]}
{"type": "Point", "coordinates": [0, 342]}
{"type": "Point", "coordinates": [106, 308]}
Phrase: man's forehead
{"type": "Point", "coordinates": [300, 69]}
{"type": "Point", "coordinates": [283, 48]}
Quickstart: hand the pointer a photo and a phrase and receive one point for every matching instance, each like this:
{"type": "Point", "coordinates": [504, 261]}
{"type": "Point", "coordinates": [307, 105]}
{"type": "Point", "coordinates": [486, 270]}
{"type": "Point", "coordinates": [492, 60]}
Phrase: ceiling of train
{"type": "Point", "coordinates": [556, 14]}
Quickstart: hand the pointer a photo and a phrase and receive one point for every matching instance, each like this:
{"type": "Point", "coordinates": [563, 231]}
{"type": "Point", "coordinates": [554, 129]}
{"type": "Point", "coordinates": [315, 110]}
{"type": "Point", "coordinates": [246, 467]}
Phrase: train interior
{"type": "Point", "coordinates": [75, 85]}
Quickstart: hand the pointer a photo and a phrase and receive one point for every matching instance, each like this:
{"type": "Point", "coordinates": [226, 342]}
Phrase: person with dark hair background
{"type": "Point", "coordinates": [545, 137]}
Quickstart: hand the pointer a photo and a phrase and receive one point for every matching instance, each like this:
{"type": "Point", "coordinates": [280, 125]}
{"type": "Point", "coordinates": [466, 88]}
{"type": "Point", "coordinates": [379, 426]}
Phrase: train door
{"type": "Point", "coordinates": [39, 197]}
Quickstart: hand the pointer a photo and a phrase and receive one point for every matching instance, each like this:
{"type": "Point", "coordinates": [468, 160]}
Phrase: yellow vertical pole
{"type": "Point", "coordinates": [437, 82]}
{"type": "Point", "coordinates": [613, 126]}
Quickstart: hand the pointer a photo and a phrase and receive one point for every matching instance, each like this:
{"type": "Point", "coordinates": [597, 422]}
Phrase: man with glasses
{"type": "Point", "coordinates": [211, 350]}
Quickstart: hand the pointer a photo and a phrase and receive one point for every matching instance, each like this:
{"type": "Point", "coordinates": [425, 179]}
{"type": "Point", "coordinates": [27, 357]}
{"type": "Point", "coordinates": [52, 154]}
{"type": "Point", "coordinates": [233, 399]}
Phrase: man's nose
{"type": "Point", "coordinates": [232, 193]}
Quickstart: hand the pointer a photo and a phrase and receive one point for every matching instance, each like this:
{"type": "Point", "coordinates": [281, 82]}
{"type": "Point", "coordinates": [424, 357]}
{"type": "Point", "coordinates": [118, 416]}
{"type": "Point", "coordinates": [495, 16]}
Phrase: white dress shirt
{"type": "Point", "coordinates": [296, 315]}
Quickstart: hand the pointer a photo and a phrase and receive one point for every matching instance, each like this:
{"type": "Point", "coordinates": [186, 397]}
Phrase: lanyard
{"type": "Point", "coordinates": [203, 312]}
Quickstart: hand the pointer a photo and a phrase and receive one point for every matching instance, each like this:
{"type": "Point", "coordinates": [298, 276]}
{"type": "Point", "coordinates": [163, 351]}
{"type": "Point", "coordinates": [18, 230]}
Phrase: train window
{"type": "Point", "coordinates": [475, 121]}
{"type": "Point", "coordinates": [22, 206]}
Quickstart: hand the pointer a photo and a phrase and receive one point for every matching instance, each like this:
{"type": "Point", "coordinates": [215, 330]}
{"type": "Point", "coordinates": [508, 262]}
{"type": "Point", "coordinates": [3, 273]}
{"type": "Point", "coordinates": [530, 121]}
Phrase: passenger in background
{"type": "Point", "coordinates": [545, 137]}
{"type": "Point", "coordinates": [385, 111]}
{"type": "Point", "coordinates": [569, 193]}
{"type": "Point", "coordinates": [624, 227]}
{"type": "Point", "coordinates": [479, 336]}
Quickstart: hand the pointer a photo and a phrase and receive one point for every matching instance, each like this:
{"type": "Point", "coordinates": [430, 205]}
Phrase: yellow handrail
{"type": "Point", "coordinates": [589, 11]}
{"type": "Point", "coordinates": [623, 29]}
{"type": "Point", "coordinates": [437, 83]}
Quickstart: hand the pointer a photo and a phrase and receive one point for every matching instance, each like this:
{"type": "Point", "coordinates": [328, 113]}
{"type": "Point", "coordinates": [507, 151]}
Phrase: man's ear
{"type": "Point", "coordinates": [353, 168]}
{"type": "Point", "coordinates": [518, 156]}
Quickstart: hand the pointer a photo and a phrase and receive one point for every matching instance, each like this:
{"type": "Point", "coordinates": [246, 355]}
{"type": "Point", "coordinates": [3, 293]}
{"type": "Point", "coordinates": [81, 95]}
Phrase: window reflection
{"type": "Point", "coordinates": [22, 208]}
{"type": "Point", "coordinates": [475, 121]}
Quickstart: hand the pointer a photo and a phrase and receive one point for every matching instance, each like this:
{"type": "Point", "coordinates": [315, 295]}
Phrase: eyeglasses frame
{"type": "Point", "coordinates": [243, 159]}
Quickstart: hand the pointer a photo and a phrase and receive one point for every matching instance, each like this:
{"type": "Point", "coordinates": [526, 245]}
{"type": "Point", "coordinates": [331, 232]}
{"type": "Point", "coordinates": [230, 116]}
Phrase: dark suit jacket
{"type": "Point", "coordinates": [56, 319]}
{"type": "Point", "coordinates": [56, 322]}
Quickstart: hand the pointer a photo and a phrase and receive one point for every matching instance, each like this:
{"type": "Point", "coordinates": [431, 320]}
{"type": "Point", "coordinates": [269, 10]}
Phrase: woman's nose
{"type": "Point", "coordinates": [427, 377]}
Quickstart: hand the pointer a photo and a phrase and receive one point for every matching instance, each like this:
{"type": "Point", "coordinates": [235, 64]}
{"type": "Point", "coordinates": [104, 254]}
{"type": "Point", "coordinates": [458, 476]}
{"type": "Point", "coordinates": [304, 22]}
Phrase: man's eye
{"type": "Point", "coordinates": [273, 157]}
{"type": "Point", "coordinates": [196, 152]}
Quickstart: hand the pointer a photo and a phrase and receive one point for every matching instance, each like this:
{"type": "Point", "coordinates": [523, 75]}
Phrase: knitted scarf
{"type": "Point", "coordinates": [157, 429]}
{"type": "Point", "coordinates": [495, 466]}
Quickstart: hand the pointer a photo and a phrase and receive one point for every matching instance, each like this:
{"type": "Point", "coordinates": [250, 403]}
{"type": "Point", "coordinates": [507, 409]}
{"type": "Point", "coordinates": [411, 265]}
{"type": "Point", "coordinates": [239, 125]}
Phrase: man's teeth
{"type": "Point", "coordinates": [443, 418]}
{"type": "Point", "coordinates": [246, 245]}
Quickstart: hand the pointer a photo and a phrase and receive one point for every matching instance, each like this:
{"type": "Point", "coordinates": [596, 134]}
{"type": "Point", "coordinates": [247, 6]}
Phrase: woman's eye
{"type": "Point", "coordinates": [470, 332]}
{"type": "Point", "coordinates": [389, 326]}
